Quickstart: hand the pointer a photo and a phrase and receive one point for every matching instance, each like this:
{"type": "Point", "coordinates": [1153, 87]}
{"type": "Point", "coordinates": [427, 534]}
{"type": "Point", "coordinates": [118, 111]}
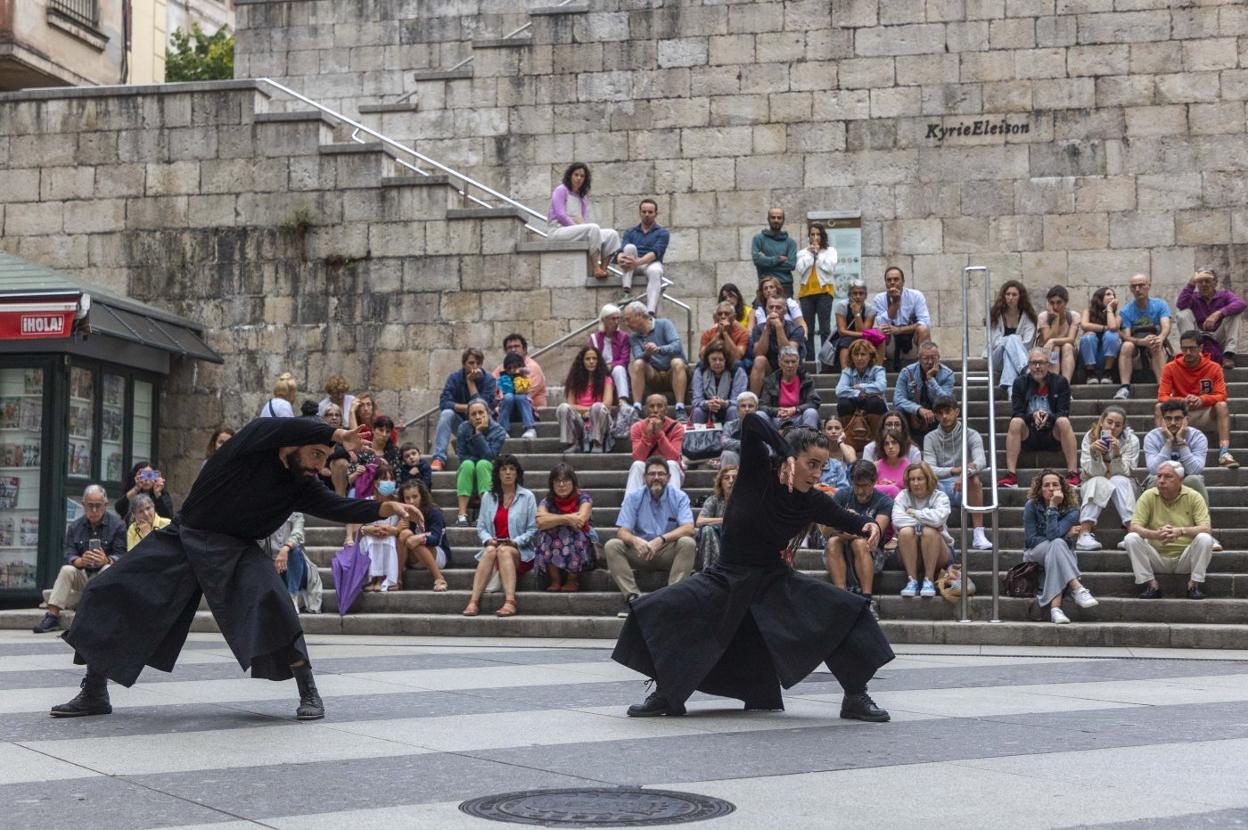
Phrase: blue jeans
{"type": "Point", "coordinates": [518, 403]}
{"type": "Point", "coordinates": [296, 570]}
{"type": "Point", "coordinates": [809, 418]}
{"type": "Point", "coordinates": [1096, 347]}
{"type": "Point", "coordinates": [955, 496]}
{"type": "Point", "coordinates": [448, 422]}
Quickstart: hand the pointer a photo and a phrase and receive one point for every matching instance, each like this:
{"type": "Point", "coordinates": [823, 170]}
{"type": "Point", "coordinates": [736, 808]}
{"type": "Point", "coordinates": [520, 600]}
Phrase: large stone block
{"type": "Point", "coordinates": [1210, 54]}
{"type": "Point", "coordinates": [860, 73]}
{"type": "Point", "coordinates": [686, 51]}
{"type": "Point", "coordinates": [971, 36]}
{"type": "Point", "coordinates": [913, 236]}
{"type": "Point", "coordinates": [716, 141]}
{"type": "Point", "coordinates": [1059, 30]}
{"type": "Point", "coordinates": [855, 13]}
{"type": "Point", "coordinates": [43, 150]}
{"type": "Point", "coordinates": [55, 250]}
{"type": "Point", "coordinates": [1174, 191]}
{"type": "Point", "coordinates": [1105, 194]}
{"type": "Point", "coordinates": [772, 138]}
{"type": "Point", "coordinates": [1044, 195]}
{"type": "Point", "coordinates": [1141, 230]}
{"type": "Point", "coordinates": [1124, 27]}
{"type": "Point", "coordinates": [1215, 119]}
{"type": "Point", "coordinates": [781, 47]}
{"type": "Point", "coordinates": [1126, 90]}
{"type": "Point", "coordinates": [730, 49]}
{"type": "Point", "coordinates": [913, 39]}
{"type": "Point", "coordinates": [762, 172]}
{"type": "Point", "coordinates": [1069, 158]}
{"type": "Point", "coordinates": [987, 66]}
{"type": "Point", "coordinates": [1186, 87]}
{"type": "Point", "coordinates": [913, 70]}
{"type": "Point", "coordinates": [732, 110]}
{"type": "Point", "coordinates": [66, 183]}
{"type": "Point", "coordinates": [896, 12]}
{"type": "Point", "coordinates": [95, 216]}
{"type": "Point", "coordinates": [896, 102]}
{"type": "Point", "coordinates": [169, 179]}
{"type": "Point", "coordinates": [1202, 227]}
{"type": "Point", "coordinates": [816, 76]}
{"type": "Point", "coordinates": [756, 17]}
{"type": "Point", "coordinates": [34, 219]}
{"type": "Point", "coordinates": [1012, 33]}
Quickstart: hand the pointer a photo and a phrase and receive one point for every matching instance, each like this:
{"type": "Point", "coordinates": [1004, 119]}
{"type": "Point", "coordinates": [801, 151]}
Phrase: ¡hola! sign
{"type": "Point", "coordinates": [27, 320]}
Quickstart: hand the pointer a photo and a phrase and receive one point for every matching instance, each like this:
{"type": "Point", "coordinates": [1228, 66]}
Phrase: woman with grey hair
{"type": "Point", "coordinates": [611, 341]}
{"type": "Point", "coordinates": [144, 520]}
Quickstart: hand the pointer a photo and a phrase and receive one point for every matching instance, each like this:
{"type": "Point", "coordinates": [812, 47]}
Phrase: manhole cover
{"type": "Point", "coordinates": [597, 807]}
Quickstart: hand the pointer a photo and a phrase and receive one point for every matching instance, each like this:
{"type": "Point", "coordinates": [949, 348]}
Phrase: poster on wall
{"type": "Point", "coordinates": [845, 235]}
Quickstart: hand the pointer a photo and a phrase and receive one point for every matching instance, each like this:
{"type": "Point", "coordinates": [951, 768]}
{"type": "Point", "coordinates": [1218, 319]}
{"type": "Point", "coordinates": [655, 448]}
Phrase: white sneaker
{"type": "Point", "coordinates": [1123, 393]}
{"type": "Point", "coordinates": [1083, 598]}
{"type": "Point", "coordinates": [980, 541]}
{"type": "Point", "coordinates": [1122, 544]}
{"type": "Point", "coordinates": [1057, 616]}
{"type": "Point", "coordinates": [1217, 546]}
{"type": "Point", "coordinates": [911, 589]}
{"type": "Point", "coordinates": [1087, 541]}
{"type": "Point", "coordinates": [928, 589]}
{"type": "Point", "coordinates": [529, 433]}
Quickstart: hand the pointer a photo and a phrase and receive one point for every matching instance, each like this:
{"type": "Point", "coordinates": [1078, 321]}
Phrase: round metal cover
{"type": "Point", "coordinates": [597, 807]}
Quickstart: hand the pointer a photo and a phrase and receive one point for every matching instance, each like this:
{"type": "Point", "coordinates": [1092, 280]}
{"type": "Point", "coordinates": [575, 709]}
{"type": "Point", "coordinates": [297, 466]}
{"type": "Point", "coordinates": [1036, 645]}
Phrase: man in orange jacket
{"type": "Point", "coordinates": [1198, 381]}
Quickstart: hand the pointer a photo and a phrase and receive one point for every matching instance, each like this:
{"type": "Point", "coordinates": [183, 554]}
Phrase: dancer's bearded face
{"type": "Point", "coordinates": [306, 461]}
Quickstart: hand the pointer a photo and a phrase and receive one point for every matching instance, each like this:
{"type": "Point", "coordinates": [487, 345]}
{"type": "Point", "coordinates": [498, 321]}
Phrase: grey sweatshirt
{"type": "Point", "coordinates": [943, 450]}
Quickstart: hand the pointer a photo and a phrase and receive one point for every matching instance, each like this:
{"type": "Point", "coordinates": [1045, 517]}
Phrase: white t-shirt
{"type": "Point", "coordinates": [277, 408]}
{"type": "Point", "coordinates": [346, 406]}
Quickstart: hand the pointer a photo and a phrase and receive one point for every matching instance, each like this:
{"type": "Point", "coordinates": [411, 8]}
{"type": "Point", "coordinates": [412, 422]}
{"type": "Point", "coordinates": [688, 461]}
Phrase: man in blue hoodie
{"type": "Point", "coordinates": [471, 381]}
{"type": "Point", "coordinates": [774, 252]}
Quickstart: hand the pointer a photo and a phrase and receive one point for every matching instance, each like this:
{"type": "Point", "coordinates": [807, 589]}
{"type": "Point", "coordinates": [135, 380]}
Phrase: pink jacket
{"type": "Point", "coordinates": [619, 347]}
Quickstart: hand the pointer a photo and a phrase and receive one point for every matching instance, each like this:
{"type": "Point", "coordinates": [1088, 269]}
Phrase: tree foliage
{"type": "Point", "coordinates": [200, 57]}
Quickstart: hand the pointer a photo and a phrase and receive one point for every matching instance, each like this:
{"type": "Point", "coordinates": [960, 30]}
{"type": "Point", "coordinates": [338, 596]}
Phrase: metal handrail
{"type": "Point", "coordinates": [993, 505]}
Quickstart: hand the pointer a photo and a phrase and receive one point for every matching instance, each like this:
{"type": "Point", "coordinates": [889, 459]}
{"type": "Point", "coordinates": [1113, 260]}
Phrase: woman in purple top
{"type": "Point", "coordinates": [571, 219]}
{"type": "Point", "coordinates": [612, 343]}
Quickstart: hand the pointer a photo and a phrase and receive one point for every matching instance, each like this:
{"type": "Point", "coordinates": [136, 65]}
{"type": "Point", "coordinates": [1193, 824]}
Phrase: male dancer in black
{"type": "Point", "coordinates": [138, 612]}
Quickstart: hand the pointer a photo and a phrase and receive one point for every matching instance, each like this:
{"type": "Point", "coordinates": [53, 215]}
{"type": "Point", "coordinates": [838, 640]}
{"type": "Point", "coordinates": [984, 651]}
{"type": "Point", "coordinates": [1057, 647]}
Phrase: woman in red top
{"type": "Point", "coordinates": [506, 526]}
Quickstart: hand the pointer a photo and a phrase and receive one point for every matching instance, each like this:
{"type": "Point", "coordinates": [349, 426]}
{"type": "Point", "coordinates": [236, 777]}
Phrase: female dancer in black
{"type": "Point", "coordinates": [750, 624]}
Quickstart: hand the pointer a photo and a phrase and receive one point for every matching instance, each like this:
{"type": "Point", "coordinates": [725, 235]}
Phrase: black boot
{"type": "Point", "coordinates": [861, 707]}
{"type": "Point", "coordinates": [92, 700]}
{"type": "Point", "coordinates": [654, 706]}
{"type": "Point", "coordinates": [310, 706]}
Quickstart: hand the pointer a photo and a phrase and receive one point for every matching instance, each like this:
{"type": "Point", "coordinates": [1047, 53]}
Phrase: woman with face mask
{"type": "Point", "coordinates": [379, 539]}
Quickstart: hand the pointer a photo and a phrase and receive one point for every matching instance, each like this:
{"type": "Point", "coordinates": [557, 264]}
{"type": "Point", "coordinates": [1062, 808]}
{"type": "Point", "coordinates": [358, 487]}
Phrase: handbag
{"type": "Point", "coordinates": [624, 421]}
{"type": "Point", "coordinates": [857, 435]}
{"type": "Point", "coordinates": [701, 444]}
{"type": "Point", "coordinates": [1022, 580]}
{"type": "Point", "coordinates": [827, 352]}
{"type": "Point", "coordinates": [949, 583]}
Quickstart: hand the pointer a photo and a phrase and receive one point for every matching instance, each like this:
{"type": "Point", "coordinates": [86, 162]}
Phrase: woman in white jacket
{"type": "Point", "coordinates": [817, 289]}
{"type": "Point", "coordinates": [1108, 458]}
{"type": "Point", "coordinates": [1013, 331]}
{"type": "Point", "coordinates": [921, 516]}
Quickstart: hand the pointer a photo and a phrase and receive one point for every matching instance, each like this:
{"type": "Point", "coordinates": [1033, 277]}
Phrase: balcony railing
{"type": "Point", "coordinates": [86, 12]}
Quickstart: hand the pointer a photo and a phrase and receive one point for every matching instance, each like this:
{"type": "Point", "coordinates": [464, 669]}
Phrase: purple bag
{"type": "Point", "coordinates": [350, 568]}
{"type": "Point", "coordinates": [364, 481]}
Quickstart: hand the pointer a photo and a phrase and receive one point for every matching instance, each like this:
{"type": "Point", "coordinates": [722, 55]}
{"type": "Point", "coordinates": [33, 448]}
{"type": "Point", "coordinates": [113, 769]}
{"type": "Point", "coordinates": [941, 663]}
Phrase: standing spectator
{"type": "Point", "coordinates": [335, 393]}
{"type": "Point", "coordinates": [571, 219]}
{"type": "Point", "coordinates": [708, 527]}
{"type": "Point", "coordinates": [1145, 326]}
{"type": "Point", "coordinates": [655, 435]}
{"type": "Point", "coordinates": [893, 422]}
{"type": "Point", "coordinates": [1170, 533]}
{"type": "Point", "coordinates": [478, 442]}
{"type": "Point", "coordinates": [148, 481]}
{"type": "Point", "coordinates": [860, 498]}
{"type": "Point", "coordinates": [736, 337]}
{"type": "Point", "coordinates": [585, 414]}
{"type": "Point", "coordinates": [1050, 519]}
{"type": "Point", "coordinates": [282, 404]}
{"type": "Point", "coordinates": [744, 311]}
{"type": "Point", "coordinates": [219, 436]}
{"type": "Point", "coordinates": [655, 532]}
{"type": "Point", "coordinates": [423, 541]}
{"type": "Point", "coordinates": [1107, 459]}
{"type": "Point", "coordinates": [93, 541]}
{"type": "Point", "coordinates": [1100, 343]}
{"type": "Point", "coordinates": [513, 385]}
{"type": "Point", "coordinates": [379, 539]}
{"type": "Point", "coordinates": [1198, 381]}
{"type": "Point", "coordinates": [461, 387]}
{"type": "Point", "coordinates": [1040, 410]}
{"type": "Point", "coordinates": [942, 451]}
{"type": "Point", "coordinates": [506, 526]}
{"type": "Point", "coordinates": [515, 343]}
{"type": "Point", "coordinates": [919, 386]}
{"type": "Point", "coordinates": [891, 464]}
{"type": "Point", "coordinates": [565, 544]}
{"type": "Point", "coordinates": [658, 357]}
{"type": "Point", "coordinates": [789, 395]}
{"type": "Point", "coordinates": [144, 520]}
{"type": "Point", "coordinates": [285, 547]}
{"type": "Point", "coordinates": [854, 316]}
{"type": "Point", "coordinates": [861, 386]}
{"type": "Point", "coordinates": [644, 246]}
{"type": "Point", "coordinates": [816, 266]}
{"type": "Point", "coordinates": [1175, 440]}
{"type": "Point", "coordinates": [413, 467]}
{"type": "Point", "coordinates": [774, 252]}
{"type": "Point", "coordinates": [771, 335]}
{"type": "Point", "coordinates": [921, 516]}
{"type": "Point", "coordinates": [1058, 331]}
{"type": "Point", "coordinates": [770, 287]}
{"type": "Point", "coordinates": [611, 343]}
{"type": "Point", "coordinates": [901, 316]}
{"type": "Point", "coordinates": [717, 381]}
{"type": "Point", "coordinates": [1215, 313]}
{"type": "Point", "coordinates": [1012, 331]}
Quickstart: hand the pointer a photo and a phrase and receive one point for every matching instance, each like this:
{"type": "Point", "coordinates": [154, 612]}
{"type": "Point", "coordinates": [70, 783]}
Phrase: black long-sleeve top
{"type": "Point", "coordinates": [163, 504]}
{"type": "Point", "coordinates": [245, 490]}
{"type": "Point", "coordinates": [763, 516]}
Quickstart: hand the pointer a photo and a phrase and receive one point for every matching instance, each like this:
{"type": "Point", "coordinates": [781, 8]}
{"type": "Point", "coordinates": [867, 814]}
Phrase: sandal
{"type": "Point", "coordinates": [554, 587]}
{"type": "Point", "coordinates": [508, 609]}
{"type": "Point", "coordinates": [571, 587]}
{"type": "Point", "coordinates": [471, 610]}
{"type": "Point", "coordinates": [439, 585]}
{"type": "Point", "coordinates": [395, 588]}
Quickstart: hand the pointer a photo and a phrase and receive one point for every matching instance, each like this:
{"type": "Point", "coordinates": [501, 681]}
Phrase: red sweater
{"type": "Point", "coordinates": [667, 443]}
{"type": "Point", "coordinates": [1206, 380]}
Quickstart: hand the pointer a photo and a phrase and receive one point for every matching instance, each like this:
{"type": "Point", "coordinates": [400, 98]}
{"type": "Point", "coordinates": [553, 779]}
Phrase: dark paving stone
{"type": "Point", "coordinates": [101, 804]}
{"type": "Point", "coordinates": [1193, 821]}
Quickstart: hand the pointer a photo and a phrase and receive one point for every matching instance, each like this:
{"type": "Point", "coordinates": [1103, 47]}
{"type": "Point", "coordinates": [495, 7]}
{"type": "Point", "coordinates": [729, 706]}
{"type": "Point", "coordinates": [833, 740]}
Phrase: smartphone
{"type": "Point", "coordinates": [94, 544]}
{"type": "Point", "coordinates": [1105, 436]}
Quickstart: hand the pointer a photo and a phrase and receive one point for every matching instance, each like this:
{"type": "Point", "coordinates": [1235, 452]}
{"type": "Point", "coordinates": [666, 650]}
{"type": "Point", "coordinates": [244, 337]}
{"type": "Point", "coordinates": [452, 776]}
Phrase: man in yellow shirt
{"type": "Point", "coordinates": [1171, 533]}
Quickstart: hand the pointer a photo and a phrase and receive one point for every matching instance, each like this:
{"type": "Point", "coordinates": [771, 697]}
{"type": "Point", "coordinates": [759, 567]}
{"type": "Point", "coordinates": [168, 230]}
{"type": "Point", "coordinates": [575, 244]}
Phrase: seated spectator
{"type": "Point", "coordinates": [1198, 381]}
{"type": "Point", "coordinates": [816, 268]}
{"type": "Point", "coordinates": [861, 387]}
{"type": "Point", "coordinates": [507, 527]}
{"type": "Point", "coordinates": [770, 287]}
{"type": "Point", "coordinates": [708, 527]}
{"type": "Point", "coordinates": [901, 316]}
{"type": "Point", "coordinates": [1057, 331]}
{"type": "Point", "coordinates": [942, 451]}
{"type": "Point", "coordinates": [1107, 459]}
{"type": "Point", "coordinates": [1100, 343]}
{"type": "Point", "coordinates": [655, 435]}
{"type": "Point", "coordinates": [93, 541]}
{"type": "Point", "coordinates": [921, 516]}
{"type": "Point", "coordinates": [585, 414]}
{"type": "Point", "coordinates": [1012, 331]}
{"type": "Point", "coordinates": [789, 396]}
{"type": "Point", "coordinates": [379, 539]}
{"type": "Point", "coordinates": [834, 477]}
{"type": "Point", "coordinates": [423, 542]}
{"type": "Point", "coordinates": [774, 252]}
{"type": "Point", "coordinates": [513, 386]}
{"type": "Point", "coordinates": [893, 422]}
{"type": "Point", "coordinates": [1144, 325]}
{"type": "Point", "coordinates": [747, 402]}
{"type": "Point", "coordinates": [460, 388]}
{"type": "Point", "coordinates": [338, 465]}
{"type": "Point", "coordinates": [571, 219]}
{"type": "Point", "coordinates": [145, 479]}
{"type": "Point", "coordinates": [919, 386]}
{"type": "Point", "coordinates": [658, 357]}
{"type": "Point", "coordinates": [478, 442]}
{"type": "Point", "coordinates": [1170, 533]}
{"type": "Point", "coordinates": [1215, 313]}
{"type": "Point", "coordinates": [282, 404]}
{"type": "Point", "coordinates": [565, 537]}
{"type": "Point", "coordinates": [734, 336]}
{"type": "Point", "coordinates": [285, 547]}
{"type": "Point", "coordinates": [1050, 520]}
{"type": "Point", "coordinates": [1175, 440]}
{"type": "Point", "coordinates": [143, 520]}
{"type": "Point", "coordinates": [854, 315]}
{"type": "Point", "coordinates": [362, 414]}
{"type": "Point", "coordinates": [515, 343]}
{"type": "Point", "coordinates": [1040, 409]}
{"type": "Point", "coordinates": [655, 532]}
{"type": "Point", "coordinates": [839, 449]}
{"type": "Point", "coordinates": [841, 549]}
{"type": "Point", "coordinates": [743, 312]}
{"type": "Point", "coordinates": [383, 442]}
{"type": "Point", "coordinates": [768, 338]}
{"type": "Point", "coordinates": [717, 381]}
{"type": "Point", "coordinates": [413, 467]}
{"type": "Point", "coordinates": [644, 246]}
{"type": "Point", "coordinates": [336, 393]}
{"type": "Point", "coordinates": [219, 436]}
{"type": "Point", "coordinates": [891, 465]}
{"type": "Point", "coordinates": [307, 409]}
{"type": "Point", "coordinates": [611, 343]}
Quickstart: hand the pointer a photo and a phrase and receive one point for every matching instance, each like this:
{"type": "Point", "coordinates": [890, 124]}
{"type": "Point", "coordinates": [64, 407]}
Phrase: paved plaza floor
{"type": "Point", "coordinates": [980, 737]}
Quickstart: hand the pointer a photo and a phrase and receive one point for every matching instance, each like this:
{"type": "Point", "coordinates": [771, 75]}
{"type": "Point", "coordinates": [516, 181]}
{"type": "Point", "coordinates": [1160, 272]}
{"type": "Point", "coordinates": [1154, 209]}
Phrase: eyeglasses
{"type": "Point", "coordinates": [1037, 363]}
{"type": "Point", "coordinates": [94, 505]}
{"type": "Point", "coordinates": [1136, 285]}
{"type": "Point", "coordinates": [727, 314]}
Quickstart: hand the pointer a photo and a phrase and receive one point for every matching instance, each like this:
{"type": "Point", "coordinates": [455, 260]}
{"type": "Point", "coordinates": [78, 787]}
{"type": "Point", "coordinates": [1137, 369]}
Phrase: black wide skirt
{"type": "Point", "coordinates": [138, 612]}
{"type": "Point", "coordinates": [743, 632]}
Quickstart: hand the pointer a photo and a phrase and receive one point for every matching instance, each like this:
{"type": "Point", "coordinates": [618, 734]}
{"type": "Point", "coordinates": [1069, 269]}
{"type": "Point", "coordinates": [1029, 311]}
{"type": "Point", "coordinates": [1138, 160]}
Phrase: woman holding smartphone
{"type": "Point", "coordinates": [145, 479]}
{"type": "Point", "coordinates": [1108, 458]}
